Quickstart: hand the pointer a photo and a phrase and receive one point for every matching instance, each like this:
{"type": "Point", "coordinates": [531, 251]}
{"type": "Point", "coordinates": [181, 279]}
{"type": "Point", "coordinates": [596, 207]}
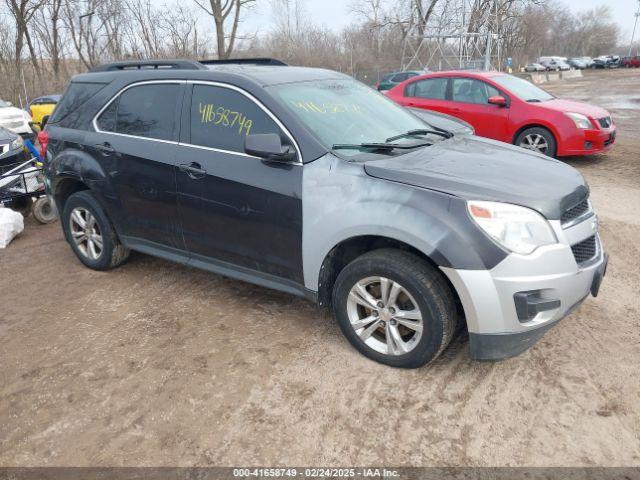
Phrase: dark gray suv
{"type": "Point", "coordinates": [309, 182]}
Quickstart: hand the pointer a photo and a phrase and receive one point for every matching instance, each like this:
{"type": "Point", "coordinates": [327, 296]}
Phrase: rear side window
{"type": "Point", "coordinates": [222, 118]}
{"type": "Point", "coordinates": [76, 95]}
{"type": "Point", "coordinates": [433, 88]}
{"type": "Point", "coordinates": [143, 111]}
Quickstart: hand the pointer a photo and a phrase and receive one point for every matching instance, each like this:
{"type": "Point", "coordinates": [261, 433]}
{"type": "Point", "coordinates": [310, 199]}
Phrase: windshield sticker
{"type": "Point", "coordinates": [328, 107]}
{"type": "Point", "coordinates": [225, 117]}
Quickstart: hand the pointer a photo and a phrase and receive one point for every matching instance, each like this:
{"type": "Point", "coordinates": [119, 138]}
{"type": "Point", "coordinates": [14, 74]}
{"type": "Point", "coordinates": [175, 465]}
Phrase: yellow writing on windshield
{"type": "Point", "coordinates": [328, 107]}
{"type": "Point", "coordinates": [225, 117]}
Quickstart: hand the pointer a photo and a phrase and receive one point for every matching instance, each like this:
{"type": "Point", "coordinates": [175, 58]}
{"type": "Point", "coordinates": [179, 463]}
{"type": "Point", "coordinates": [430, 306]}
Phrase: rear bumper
{"type": "Point", "coordinates": [551, 275]}
{"type": "Point", "coordinates": [587, 142]}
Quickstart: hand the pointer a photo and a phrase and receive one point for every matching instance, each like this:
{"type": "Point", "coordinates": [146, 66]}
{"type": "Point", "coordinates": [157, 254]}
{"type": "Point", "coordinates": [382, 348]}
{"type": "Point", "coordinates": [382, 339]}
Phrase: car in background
{"type": "Point", "coordinates": [588, 61]}
{"type": "Point", "coordinates": [510, 109]}
{"type": "Point", "coordinates": [443, 122]}
{"type": "Point", "coordinates": [534, 67]}
{"type": "Point", "coordinates": [11, 149]}
{"type": "Point", "coordinates": [630, 62]}
{"type": "Point", "coordinates": [392, 79]}
{"type": "Point", "coordinates": [41, 107]}
{"type": "Point", "coordinates": [15, 119]}
{"type": "Point", "coordinates": [578, 62]}
{"type": "Point", "coordinates": [606, 61]}
{"type": "Point", "coordinates": [555, 65]}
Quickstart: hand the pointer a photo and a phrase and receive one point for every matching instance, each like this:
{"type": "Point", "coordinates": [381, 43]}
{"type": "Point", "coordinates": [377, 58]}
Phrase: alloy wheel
{"type": "Point", "coordinates": [384, 315]}
{"type": "Point", "coordinates": [535, 142]}
{"type": "Point", "coordinates": [86, 233]}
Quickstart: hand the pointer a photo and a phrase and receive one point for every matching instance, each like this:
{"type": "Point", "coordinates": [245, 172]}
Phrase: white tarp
{"type": "Point", "coordinates": [11, 224]}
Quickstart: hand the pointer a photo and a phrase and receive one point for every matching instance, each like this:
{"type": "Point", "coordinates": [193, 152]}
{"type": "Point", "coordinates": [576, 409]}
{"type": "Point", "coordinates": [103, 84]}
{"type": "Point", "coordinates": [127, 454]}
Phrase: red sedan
{"type": "Point", "coordinates": [512, 110]}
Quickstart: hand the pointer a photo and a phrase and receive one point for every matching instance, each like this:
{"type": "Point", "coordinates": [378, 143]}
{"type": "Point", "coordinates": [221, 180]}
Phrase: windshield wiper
{"type": "Point", "coordinates": [421, 131]}
{"type": "Point", "coordinates": [534, 100]}
{"type": "Point", "coordinates": [378, 146]}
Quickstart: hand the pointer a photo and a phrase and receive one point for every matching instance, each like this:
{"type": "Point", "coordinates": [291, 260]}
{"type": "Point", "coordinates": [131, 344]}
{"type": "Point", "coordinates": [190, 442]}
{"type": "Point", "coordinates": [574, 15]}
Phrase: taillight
{"type": "Point", "coordinates": [43, 140]}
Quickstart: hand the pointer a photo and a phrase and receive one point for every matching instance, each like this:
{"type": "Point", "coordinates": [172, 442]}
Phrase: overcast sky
{"type": "Point", "coordinates": [335, 13]}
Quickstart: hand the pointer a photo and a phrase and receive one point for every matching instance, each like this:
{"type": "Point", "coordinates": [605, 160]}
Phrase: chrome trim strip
{"type": "Point", "coordinates": [198, 82]}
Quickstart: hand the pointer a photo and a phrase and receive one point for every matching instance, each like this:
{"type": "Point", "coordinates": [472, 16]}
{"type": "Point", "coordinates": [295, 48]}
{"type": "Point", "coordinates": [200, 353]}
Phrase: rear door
{"type": "Point", "coordinates": [430, 94]}
{"type": "Point", "coordinates": [236, 208]}
{"type": "Point", "coordinates": [135, 142]}
{"type": "Point", "coordinates": [469, 101]}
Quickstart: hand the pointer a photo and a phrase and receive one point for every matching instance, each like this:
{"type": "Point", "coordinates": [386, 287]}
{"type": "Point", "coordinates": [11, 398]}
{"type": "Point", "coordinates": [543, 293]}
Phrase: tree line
{"type": "Point", "coordinates": [44, 42]}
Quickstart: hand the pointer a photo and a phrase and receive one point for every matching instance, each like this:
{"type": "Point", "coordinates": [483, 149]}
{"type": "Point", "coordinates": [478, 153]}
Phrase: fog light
{"type": "Point", "coordinates": [588, 145]}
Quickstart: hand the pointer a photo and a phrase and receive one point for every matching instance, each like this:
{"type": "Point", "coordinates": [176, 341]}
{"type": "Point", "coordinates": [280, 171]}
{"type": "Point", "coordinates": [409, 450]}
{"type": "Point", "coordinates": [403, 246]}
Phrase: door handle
{"type": "Point", "coordinates": [193, 169]}
{"type": "Point", "coordinates": [105, 148]}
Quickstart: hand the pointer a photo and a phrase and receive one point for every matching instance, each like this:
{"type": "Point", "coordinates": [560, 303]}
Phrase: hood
{"type": "Point", "coordinates": [477, 168]}
{"type": "Point", "coordinates": [560, 105]}
{"type": "Point", "coordinates": [6, 136]}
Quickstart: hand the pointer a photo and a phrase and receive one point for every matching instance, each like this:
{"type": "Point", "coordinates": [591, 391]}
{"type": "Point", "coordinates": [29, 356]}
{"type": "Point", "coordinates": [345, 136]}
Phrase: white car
{"type": "Point", "coordinates": [15, 119]}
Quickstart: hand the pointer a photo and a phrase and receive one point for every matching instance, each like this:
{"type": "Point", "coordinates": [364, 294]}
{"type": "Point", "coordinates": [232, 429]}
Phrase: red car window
{"type": "Point", "coordinates": [434, 88]}
{"type": "Point", "coordinates": [469, 90]}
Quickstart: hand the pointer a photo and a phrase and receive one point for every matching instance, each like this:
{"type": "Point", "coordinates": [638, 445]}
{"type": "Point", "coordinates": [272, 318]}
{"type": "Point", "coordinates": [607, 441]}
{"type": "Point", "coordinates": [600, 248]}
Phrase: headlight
{"type": "Point", "coordinates": [516, 228]}
{"type": "Point", "coordinates": [580, 120]}
{"type": "Point", "coordinates": [17, 143]}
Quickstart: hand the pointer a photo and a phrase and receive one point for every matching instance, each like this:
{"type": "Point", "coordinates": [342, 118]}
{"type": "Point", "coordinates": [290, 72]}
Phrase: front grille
{"type": "Point", "coordinates": [605, 122]}
{"type": "Point", "coordinates": [610, 140]}
{"type": "Point", "coordinates": [575, 212]}
{"type": "Point", "coordinates": [585, 250]}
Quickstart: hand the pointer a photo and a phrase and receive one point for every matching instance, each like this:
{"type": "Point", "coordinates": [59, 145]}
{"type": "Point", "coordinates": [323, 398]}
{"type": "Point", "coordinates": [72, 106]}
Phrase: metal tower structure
{"type": "Point", "coordinates": [463, 35]}
{"type": "Point", "coordinates": [635, 24]}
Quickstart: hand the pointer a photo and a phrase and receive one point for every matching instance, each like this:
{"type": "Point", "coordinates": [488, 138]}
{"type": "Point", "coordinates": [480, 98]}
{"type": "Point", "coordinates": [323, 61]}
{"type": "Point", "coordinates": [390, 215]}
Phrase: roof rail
{"type": "Point", "coordinates": [245, 61]}
{"type": "Point", "coordinates": [149, 65]}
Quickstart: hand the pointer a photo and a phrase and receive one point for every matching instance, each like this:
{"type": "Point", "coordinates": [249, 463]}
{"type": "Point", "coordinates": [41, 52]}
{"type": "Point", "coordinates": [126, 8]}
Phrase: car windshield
{"type": "Point", "coordinates": [522, 89]}
{"type": "Point", "coordinates": [344, 111]}
{"type": "Point", "coordinates": [4, 104]}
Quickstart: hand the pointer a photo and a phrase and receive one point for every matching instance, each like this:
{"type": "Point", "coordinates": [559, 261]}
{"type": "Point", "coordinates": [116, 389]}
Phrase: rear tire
{"type": "Point", "coordinates": [91, 234]}
{"type": "Point", "coordinates": [546, 142]}
{"type": "Point", "coordinates": [420, 319]}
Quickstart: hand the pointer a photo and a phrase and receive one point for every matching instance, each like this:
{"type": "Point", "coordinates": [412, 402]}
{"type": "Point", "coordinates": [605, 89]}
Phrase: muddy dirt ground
{"type": "Point", "coordinates": [158, 364]}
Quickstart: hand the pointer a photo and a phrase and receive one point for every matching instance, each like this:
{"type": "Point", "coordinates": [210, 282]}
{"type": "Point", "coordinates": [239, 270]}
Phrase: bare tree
{"type": "Point", "coordinates": [23, 11]}
{"type": "Point", "coordinates": [225, 12]}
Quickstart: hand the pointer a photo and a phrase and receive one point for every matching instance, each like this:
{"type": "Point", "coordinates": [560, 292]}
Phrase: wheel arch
{"type": "Point", "coordinates": [351, 248]}
{"type": "Point", "coordinates": [537, 124]}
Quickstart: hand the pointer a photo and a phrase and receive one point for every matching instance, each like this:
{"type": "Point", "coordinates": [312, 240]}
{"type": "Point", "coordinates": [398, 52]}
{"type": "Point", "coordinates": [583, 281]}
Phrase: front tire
{"type": "Point", "coordinates": [91, 234]}
{"type": "Point", "coordinates": [395, 308]}
{"type": "Point", "coordinates": [537, 139]}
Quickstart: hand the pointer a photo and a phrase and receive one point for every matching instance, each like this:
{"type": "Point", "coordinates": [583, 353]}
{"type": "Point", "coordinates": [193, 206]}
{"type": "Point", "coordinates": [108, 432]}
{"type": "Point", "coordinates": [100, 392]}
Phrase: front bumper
{"type": "Point", "coordinates": [552, 272]}
{"type": "Point", "coordinates": [587, 142]}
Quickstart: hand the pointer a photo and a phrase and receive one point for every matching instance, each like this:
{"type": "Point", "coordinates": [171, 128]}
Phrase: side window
{"type": "Point", "coordinates": [107, 119]}
{"type": "Point", "coordinates": [469, 90]}
{"type": "Point", "coordinates": [147, 111]}
{"type": "Point", "coordinates": [76, 95]}
{"type": "Point", "coordinates": [433, 88]}
{"type": "Point", "coordinates": [400, 77]}
{"type": "Point", "coordinates": [222, 118]}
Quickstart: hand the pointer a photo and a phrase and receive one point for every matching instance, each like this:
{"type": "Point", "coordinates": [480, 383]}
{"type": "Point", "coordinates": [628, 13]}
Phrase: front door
{"type": "Point", "coordinates": [236, 208]}
{"type": "Point", "coordinates": [136, 146]}
{"type": "Point", "coordinates": [470, 103]}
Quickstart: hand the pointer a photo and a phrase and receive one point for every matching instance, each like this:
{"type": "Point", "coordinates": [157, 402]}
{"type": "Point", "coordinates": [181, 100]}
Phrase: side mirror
{"type": "Point", "coordinates": [44, 121]}
{"type": "Point", "coordinates": [498, 100]}
{"type": "Point", "coordinates": [268, 146]}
